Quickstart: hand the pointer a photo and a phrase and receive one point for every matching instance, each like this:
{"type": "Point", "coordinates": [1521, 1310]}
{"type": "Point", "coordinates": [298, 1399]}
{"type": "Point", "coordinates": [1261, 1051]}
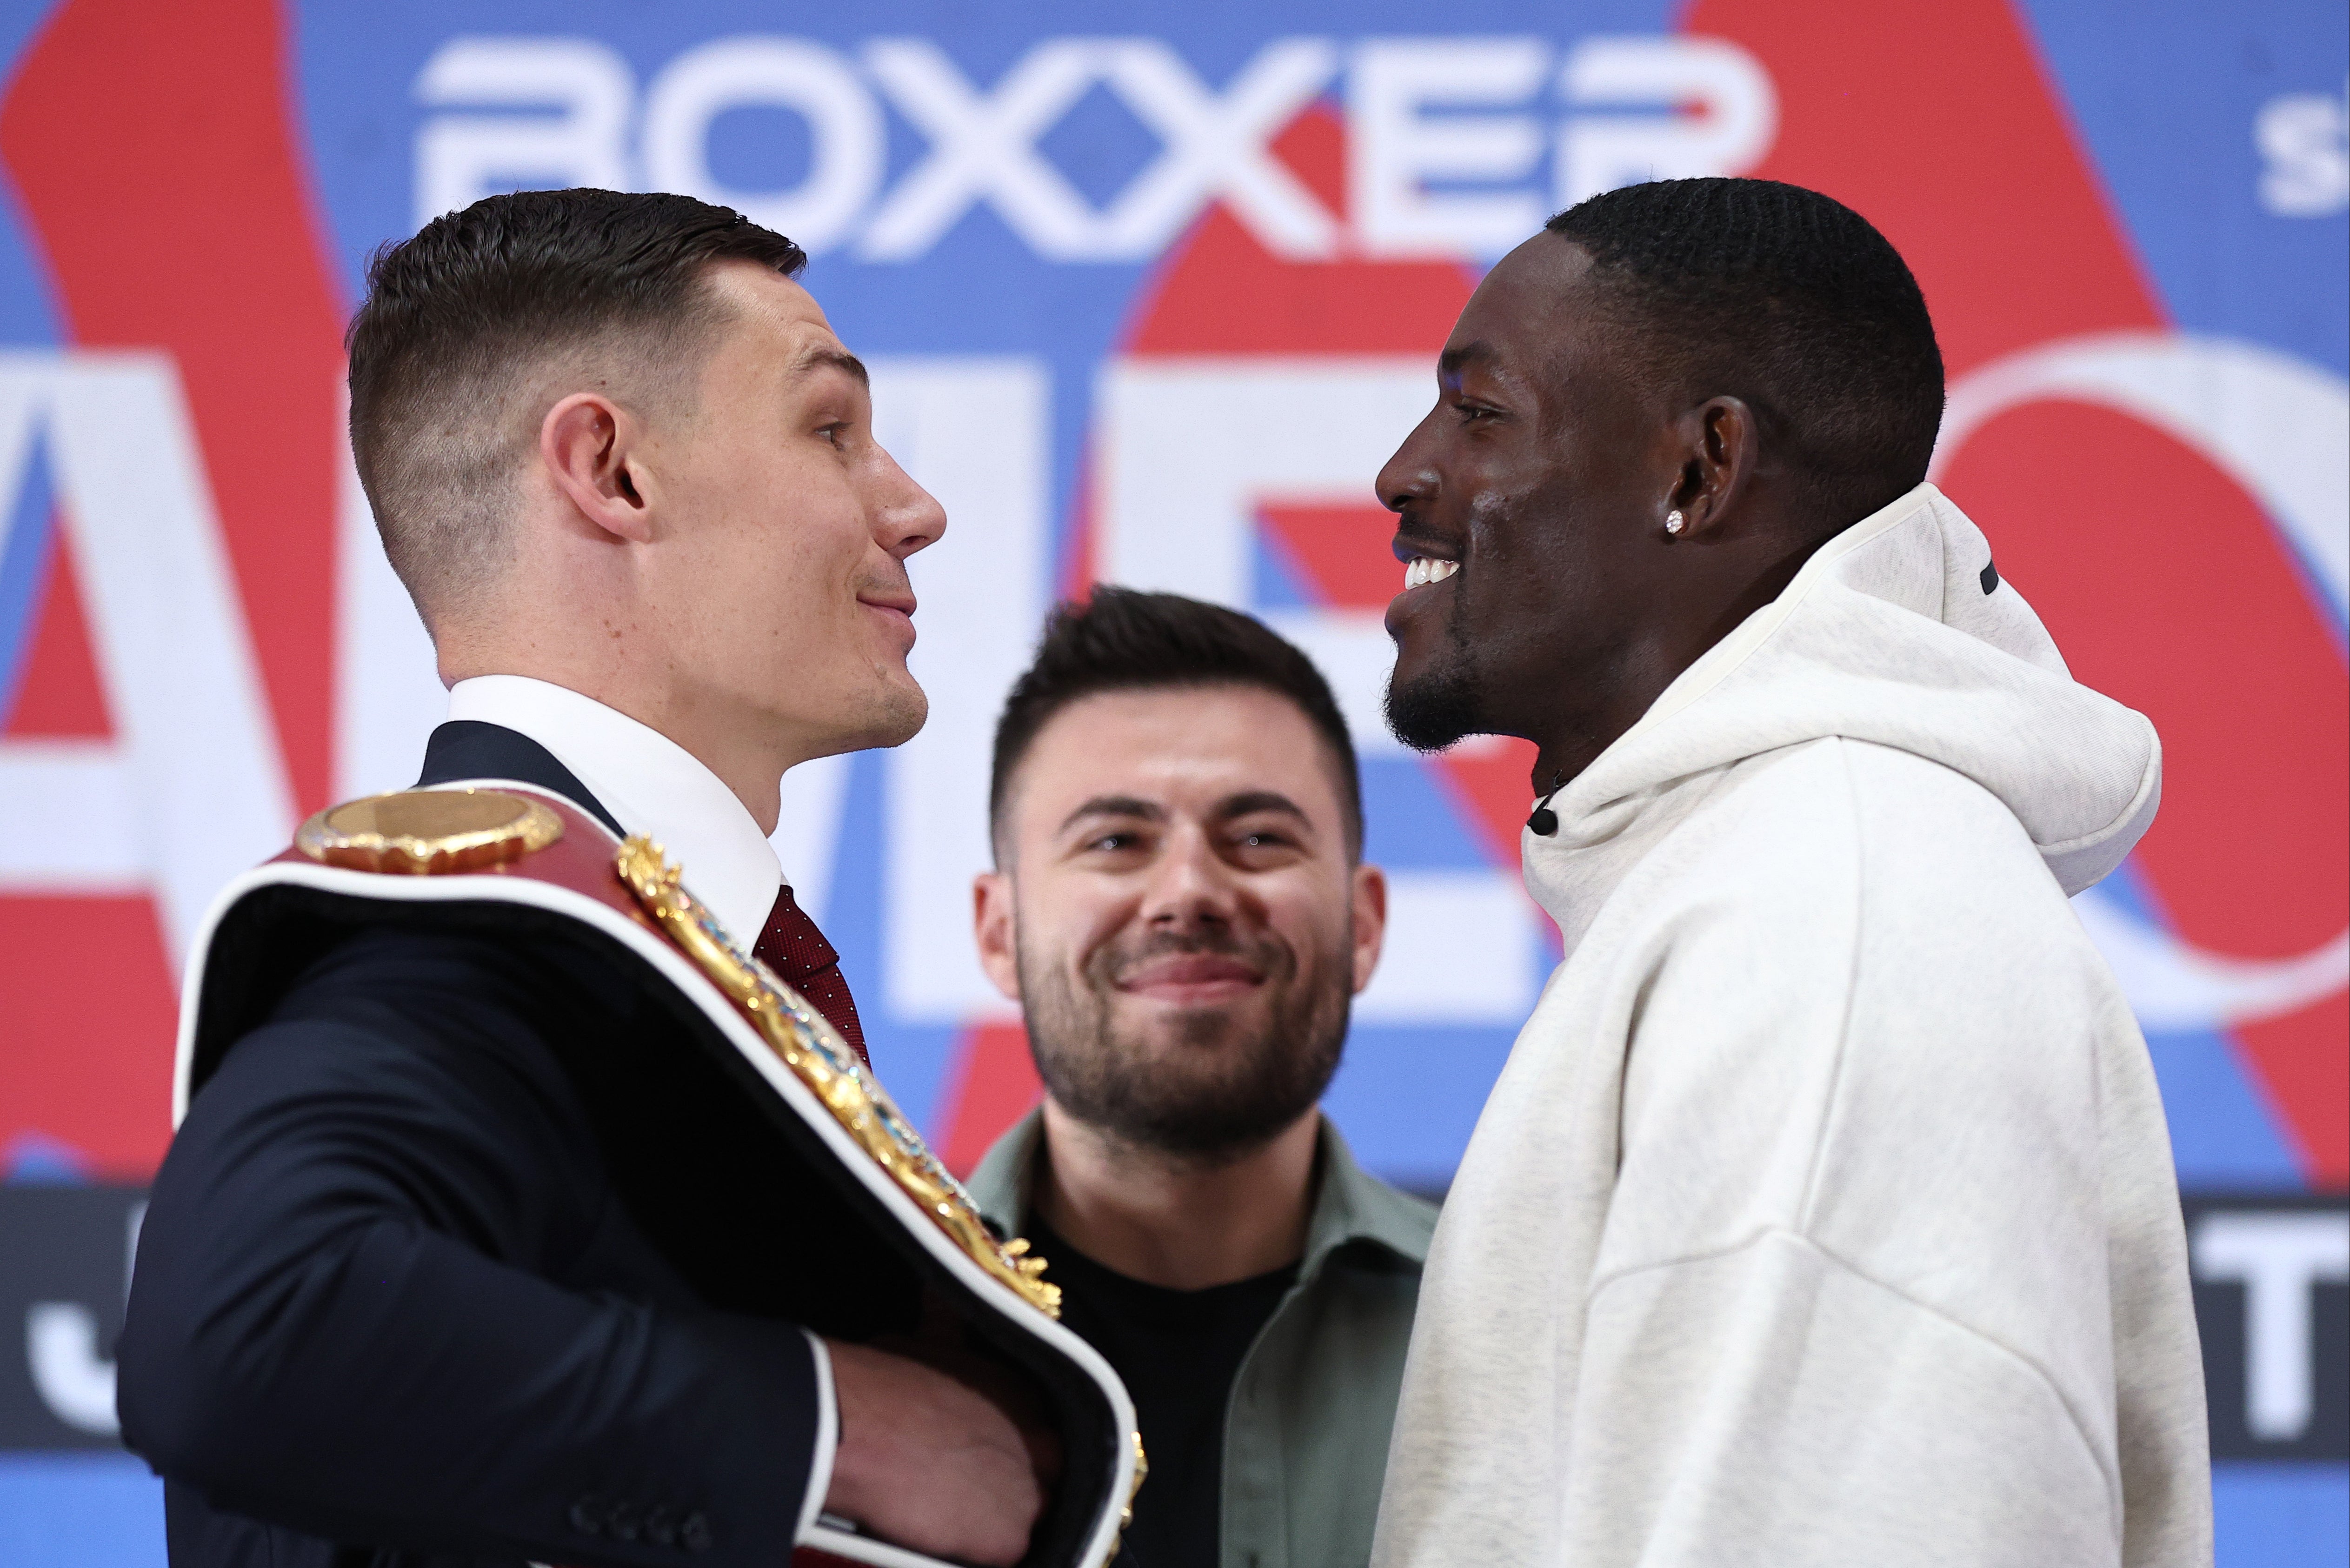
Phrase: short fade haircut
{"type": "Point", "coordinates": [1125, 640]}
{"type": "Point", "coordinates": [469, 317]}
{"type": "Point", "coordinates": [1786, 298]}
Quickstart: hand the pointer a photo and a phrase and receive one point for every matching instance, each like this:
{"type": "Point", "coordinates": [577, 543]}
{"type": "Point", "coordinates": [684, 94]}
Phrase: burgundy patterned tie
{"type": "Point", "coordinates": [792, 946]}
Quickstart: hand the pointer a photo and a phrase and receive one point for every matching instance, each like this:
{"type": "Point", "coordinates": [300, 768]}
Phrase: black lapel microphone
{"type": "Point", "coordinates": [1545, 821]}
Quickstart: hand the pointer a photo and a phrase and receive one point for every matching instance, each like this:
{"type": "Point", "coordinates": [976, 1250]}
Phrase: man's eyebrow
{"type": "Point", "coordinates": [1450, 362]}
{"type": "Point", "coordinates": [840, 358]}
{"type": "Point", "coordinates": [1250, 801]}
{"type": "Point", "coordinates": [1115, 805]}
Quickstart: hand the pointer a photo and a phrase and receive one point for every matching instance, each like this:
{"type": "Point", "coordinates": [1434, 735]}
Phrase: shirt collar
{"type": "Point", "coordinates": [651, 783]}
{"type": "Point", "coordinates": [1350, 1204]}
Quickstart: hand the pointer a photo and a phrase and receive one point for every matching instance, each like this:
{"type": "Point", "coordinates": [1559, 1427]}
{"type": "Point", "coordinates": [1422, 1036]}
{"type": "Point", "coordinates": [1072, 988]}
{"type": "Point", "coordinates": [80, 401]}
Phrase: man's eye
{"type": "Point", "coordinates": [1471, 413]}
{"type": "Point", "coordinates": [836, 432]}
{"type": "Point", "coordinates": [1111, 842]}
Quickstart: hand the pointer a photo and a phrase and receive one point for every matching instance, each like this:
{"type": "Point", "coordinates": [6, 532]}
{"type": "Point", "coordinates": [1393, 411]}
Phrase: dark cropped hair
{"type": "Point", "coordinates": [1788, 299]}
{"type": "Point", "coordinates": [466, 318]}
{"type": "Point", "coordinates": [1123, 641]}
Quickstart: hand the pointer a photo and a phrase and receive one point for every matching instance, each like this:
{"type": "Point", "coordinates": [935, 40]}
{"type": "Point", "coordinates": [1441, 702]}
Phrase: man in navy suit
{"type": "Point", "coordinates": [390, 1306]}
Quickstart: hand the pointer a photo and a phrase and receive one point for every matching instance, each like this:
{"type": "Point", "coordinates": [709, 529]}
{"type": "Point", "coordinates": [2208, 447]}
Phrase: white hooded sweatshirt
{"type": "Point", "coordinates": [1823, 1213]}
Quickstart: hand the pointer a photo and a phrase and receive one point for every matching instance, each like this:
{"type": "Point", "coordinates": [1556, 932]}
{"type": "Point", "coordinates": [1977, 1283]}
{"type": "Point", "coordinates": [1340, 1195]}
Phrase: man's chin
{"type": "Point", "coordinates": [889, 715]}
{"type": "Point", "coordinates": [1429, 710]}
{"type": "Point", "coordinates": [897, 713]}
{"type": "Point", "coordinates": [1172, 1029]}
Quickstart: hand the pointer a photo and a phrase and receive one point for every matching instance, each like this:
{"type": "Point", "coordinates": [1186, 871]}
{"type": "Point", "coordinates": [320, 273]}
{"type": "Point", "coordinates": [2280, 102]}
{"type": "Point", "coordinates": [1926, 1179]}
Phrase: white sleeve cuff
{"type": "Point", "coordinates": [828, 1439]}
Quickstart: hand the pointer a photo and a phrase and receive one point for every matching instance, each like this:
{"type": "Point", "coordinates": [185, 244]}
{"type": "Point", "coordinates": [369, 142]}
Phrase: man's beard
{"type": "Point", "coordinates": [1211, 1088]}
{"type": "Point", "coordinates": [1440, 705]}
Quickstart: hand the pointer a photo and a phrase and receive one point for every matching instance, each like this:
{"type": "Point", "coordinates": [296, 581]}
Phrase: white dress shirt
{"type": "Point", "coordinates": [654, 787]}
{"type": "Point", "coordinates": [651, 783]}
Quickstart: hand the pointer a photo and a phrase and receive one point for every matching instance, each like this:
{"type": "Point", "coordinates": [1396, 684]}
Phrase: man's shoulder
{"type": "Point", "coordinates": [998, 1183]}
{"type": "Point", "coordinates": [1941, 855]}
{"type": "Point", "coordinates": [1846, 862]}
{"type": "Point", "coordinates": [1401, 1219]}
{"type": "Point", "coordinates": [449, 973]}
{"type": "Point", "coordinates": [1837, 812]}
{"type": "Point", "coordinates": [1356, 1207]}
{"type": "Point", "coordinates": [393, 1012]}
{"type": "Point", "coordinates": [1823, 788]}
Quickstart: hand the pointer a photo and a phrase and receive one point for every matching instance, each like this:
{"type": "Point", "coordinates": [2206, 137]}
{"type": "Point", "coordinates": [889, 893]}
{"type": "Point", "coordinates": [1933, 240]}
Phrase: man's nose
{"type": "Point", "coordinates": [907, 517]}
{"type": "Point", "coordinates": [1409, 475]}
{"type": "Point", "coordinates": [1189, 885]}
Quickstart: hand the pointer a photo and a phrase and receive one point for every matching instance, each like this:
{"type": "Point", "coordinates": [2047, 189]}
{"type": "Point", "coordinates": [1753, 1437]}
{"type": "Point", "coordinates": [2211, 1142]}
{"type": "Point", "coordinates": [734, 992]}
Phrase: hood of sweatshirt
{"type": "Point", "coordinates": [1897, 632]}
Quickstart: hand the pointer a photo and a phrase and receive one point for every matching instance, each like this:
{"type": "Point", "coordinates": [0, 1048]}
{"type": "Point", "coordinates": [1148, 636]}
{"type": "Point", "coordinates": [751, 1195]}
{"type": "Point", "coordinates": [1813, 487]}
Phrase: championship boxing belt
{"type": "Point", "coordinates": [748, 1141]}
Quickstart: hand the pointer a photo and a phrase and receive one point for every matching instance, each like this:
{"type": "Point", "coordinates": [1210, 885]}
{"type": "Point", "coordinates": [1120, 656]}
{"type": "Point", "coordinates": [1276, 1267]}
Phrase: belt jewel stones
{"type": "Point", "coordinates": [806, 1043]}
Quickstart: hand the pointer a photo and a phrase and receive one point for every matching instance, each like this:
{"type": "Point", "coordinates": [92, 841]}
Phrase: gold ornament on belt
{"type": "Point", "coordinates": [429, 832]}
{"type": "Point", "coordinates": [1133, 1490]}
{"type": "Point", "coordinates": [806, 1043]}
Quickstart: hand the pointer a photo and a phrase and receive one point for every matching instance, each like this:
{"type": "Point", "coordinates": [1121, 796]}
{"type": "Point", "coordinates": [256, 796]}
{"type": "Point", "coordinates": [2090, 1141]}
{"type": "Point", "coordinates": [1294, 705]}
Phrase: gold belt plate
{"type": "Point", "coordinates": [429, 832]}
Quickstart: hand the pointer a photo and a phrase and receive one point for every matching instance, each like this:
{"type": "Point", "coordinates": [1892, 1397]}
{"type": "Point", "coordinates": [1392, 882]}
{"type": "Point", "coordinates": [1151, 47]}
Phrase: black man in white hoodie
{"type": "Point", "coordinates": [1824, 1211]}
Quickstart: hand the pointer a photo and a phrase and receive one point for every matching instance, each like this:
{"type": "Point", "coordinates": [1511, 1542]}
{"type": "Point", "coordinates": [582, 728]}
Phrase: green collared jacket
{"type": "Point", "coordinates": [1306, 1429]}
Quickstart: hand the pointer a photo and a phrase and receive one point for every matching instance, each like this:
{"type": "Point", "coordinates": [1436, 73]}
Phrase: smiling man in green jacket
{"type": "Point", "coordinates": [1181, 909]}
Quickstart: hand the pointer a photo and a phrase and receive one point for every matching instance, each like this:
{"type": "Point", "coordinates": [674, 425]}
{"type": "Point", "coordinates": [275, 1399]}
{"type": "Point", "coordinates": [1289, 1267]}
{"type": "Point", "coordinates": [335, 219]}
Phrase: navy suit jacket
{"type": "Point", "coordinates": [396, 1303]}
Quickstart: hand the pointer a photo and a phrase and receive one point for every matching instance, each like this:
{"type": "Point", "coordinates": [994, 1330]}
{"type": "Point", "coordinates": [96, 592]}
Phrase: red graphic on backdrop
{"type": "Point", "coordinates": [2161, 578]}
{"type": "Point", "coordinates": [2162, 581]}
{"type": "Point", "coordinates": [1221, 292]}
{"type": "Point", "coordinates": [59, 696]}
{"type": "Point", "coordinates": [190, 225]}
{"type": "Point", "coordinates": [153, 151]}
{"type": "Point", "coordinates": [1217, 291]}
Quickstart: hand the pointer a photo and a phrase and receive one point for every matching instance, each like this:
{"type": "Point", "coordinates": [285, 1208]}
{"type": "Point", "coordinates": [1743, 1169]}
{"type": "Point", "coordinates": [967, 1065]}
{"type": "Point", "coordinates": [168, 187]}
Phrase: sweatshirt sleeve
{"type": "Point", "coordinates": [348, 1317]}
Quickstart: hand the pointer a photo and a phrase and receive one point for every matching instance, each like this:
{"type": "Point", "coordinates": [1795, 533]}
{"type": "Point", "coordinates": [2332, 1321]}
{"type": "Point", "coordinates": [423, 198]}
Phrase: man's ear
{"type": "Point", "coordinates": [999, 937]}
{"type": "Point", "coordinates": [589, 445]}
{"type": "Point", "coordinates": [1721, 443]}
{"type": "Point", "coordinates": [1370, 910]}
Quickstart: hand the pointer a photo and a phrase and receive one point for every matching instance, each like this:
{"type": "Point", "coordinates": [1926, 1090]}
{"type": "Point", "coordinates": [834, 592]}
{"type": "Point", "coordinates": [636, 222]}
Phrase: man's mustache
{"type": "Point", "coordinates": [1267, 958]}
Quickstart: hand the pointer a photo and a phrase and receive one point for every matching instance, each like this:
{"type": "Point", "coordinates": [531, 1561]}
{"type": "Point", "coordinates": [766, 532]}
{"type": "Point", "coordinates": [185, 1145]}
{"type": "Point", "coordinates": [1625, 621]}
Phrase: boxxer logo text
{"type": "Point", "coordinates": [1453, 136]}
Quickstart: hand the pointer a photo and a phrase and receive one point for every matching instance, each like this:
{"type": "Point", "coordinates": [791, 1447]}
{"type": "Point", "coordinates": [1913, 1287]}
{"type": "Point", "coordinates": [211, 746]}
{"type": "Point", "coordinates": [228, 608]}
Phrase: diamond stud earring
{"type": "Point", "coordinates": [1673, 524]}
